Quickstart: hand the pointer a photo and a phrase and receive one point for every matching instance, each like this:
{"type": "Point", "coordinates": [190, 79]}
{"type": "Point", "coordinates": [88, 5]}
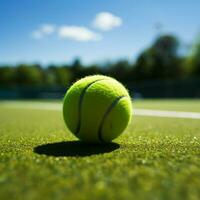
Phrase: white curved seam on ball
{"type": "Point", "coordinates": [81, 102]}
{"type": "Point", "coordinates": [109, 109]}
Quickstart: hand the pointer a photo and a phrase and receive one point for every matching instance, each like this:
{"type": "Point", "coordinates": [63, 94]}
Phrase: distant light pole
{"type": "Point", "coordinates": [158, 28]}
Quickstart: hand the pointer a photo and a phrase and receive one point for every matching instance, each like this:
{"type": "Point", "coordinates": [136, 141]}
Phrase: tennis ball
{"type": "Point", "coordinates": [97, 108]}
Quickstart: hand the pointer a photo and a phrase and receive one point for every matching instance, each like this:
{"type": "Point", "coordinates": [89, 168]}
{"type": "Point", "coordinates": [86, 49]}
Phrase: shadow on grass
{"type": "Point", "coordinates": [74, 148]}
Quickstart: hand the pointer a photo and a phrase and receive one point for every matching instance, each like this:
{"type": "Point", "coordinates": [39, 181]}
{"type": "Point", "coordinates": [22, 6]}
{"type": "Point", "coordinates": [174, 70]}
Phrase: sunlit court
{"type": "Point", "coordinates": [99, 100]}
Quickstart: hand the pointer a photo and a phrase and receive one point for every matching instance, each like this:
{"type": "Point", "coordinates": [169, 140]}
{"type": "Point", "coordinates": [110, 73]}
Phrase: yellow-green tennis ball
{"type": "Point", "coordinates": [97, 108]}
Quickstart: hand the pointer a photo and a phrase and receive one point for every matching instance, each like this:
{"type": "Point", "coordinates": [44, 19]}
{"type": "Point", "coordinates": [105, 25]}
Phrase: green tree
{"type": "Point", "coordinates": [29, 75]}
{"type": "Point", "coordinates": [63, 76]}
{"type": "Point", "coordinates": [192, 63]}
{"type": "Point", "coordinates": [58, 76]}
{"type": "Point", "coordinates": [120, 70]}
{"type": "Point", "coordinates": [76, 69]}
{"type": "Point", "coordinates": [161, 60]}
{"type": "Point", "coordinates": [90, 70]}
{"type": "Point", "coordinates": [7, 76]}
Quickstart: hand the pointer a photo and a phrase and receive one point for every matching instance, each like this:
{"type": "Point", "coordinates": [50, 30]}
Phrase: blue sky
{"type": "Point", "coordinates": [49, 31]}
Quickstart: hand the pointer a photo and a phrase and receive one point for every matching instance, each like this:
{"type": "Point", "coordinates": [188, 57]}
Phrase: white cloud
{"type": "Point", "coordinates": [78, 33]}
{"type": "Point", "coordinates": [47, 29]}
{"type": "Point", "coordinates": [43, 30]}
{"type": "Point", "coordinates": [103, 21]}
{"type": "Point", "coordinates": [37, 34]}
{"type": "Point", "coordinates": [106, 21]}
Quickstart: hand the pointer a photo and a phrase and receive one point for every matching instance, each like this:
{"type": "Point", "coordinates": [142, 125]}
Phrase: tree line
{"type": "Point", "coordinates": [163, 60]}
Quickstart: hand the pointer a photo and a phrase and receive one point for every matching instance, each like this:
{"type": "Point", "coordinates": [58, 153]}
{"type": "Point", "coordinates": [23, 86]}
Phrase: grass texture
{"type": "Point", "coordinates": [156, 158]}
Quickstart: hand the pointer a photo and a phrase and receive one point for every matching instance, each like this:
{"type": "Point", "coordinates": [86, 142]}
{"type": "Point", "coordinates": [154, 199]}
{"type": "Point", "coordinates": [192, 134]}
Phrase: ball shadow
{"type": "Point", "coordinates": [74, 148]}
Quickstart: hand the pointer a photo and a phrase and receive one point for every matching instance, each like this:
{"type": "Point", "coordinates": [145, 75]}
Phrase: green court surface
{"type": "Point", "coordinates": [156, 158]}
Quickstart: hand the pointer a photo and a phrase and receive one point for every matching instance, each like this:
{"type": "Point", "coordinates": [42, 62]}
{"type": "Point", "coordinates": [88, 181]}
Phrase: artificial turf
{"type": "Point", "coordinates": [156, 158]}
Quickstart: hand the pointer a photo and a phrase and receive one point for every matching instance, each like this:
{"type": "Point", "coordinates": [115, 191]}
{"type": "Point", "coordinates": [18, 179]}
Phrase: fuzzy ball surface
{"type": "Point", "coordinates": [97, 108]}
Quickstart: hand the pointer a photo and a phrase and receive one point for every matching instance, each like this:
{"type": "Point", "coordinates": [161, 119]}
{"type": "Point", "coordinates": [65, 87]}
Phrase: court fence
{"type": "Point", "coordinates": [188, 88]}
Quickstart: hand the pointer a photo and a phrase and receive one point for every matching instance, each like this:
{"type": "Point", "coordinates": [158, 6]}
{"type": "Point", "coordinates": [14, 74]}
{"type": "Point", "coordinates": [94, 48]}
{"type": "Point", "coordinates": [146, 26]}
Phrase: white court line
{"type": "Point", "coordinates": [140, 112]}
{"type": "Point", "coordinates": [165, 113]}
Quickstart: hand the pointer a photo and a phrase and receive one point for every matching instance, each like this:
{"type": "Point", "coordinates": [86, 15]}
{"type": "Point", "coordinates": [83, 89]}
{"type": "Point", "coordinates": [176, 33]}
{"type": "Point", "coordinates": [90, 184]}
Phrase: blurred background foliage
{"type": "Point", "coordinates": [160, 65]}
